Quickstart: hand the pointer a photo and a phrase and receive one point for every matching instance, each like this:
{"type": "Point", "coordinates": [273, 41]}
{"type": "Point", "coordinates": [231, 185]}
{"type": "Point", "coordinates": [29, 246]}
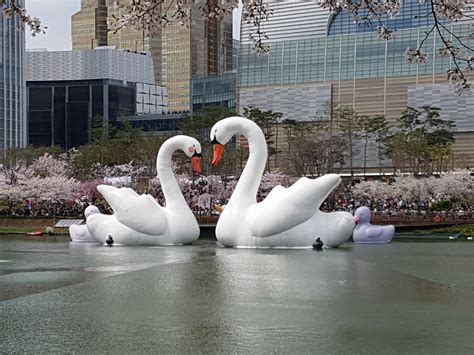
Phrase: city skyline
{"type": "Point", "coordinates": [58, 33]}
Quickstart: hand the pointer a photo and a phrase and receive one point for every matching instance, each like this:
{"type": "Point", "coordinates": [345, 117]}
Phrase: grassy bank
{"type": "Point", "coordinates": [19, 229]}
{"type": "Point", "coordinates": [27, 229]}
{"type": "Point", "coordinates": [466, 230]}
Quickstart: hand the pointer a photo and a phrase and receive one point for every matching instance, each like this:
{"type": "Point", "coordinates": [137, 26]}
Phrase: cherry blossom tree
{"type": "Point", "coordinates": [458, 184]}
{"type": "Point", "coordinates": [373, 189]}
{"type": "Point", "coordinates": [130, 170]}
{"type": "Point", "coordinates": [46, 179]}
{"type": "Point", "coordinates": [272, 179]}
{"type": "Point", "coordinates": [88, 190]}
{"type": "Point", "coordinates": [455, 184]}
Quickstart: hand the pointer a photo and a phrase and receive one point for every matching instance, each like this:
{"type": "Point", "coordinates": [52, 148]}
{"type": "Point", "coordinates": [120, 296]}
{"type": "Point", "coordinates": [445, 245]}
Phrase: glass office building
{"type": "Point", "coordinates": [154, 123]}
{"type": "Point", "coordinates": [61, 112]}
{"type": "Point", "coordinates": [12, 83]}
{"type": "Point", "coordinates": [315, 56]}
{"type": "Point", "coordinates": [215, 90]}
{"type": "Point", "coordinates": [346, 52]}
{"type": "Point", "coordinates": [69, 89]}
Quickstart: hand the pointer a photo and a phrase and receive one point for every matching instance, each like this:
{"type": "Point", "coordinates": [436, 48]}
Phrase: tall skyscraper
{"type": "Point", "coordinates": [89, 25]}
{"type": "Point", "coordinates": [130, 39]}
{"type": "Point", "coordinates": [178, 53]}
{"type": "Point", "coordinates": [12, 83]}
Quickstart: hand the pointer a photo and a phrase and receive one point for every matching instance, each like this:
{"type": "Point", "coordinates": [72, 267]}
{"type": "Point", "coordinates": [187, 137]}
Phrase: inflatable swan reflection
{"type": "Point", "coordinates": [288, 217]}
{"type": "Point", "coordinates": [139, 219]}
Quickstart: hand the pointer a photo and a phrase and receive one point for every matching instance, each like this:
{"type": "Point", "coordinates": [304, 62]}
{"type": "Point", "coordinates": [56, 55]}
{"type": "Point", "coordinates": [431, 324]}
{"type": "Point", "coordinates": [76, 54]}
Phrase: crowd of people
{"type": "Point", "coordinates": [202, 201]}
{"type": "Point", "coordinates": [346, 200]}
{"type": "Point", "coordinates": [52, 209]}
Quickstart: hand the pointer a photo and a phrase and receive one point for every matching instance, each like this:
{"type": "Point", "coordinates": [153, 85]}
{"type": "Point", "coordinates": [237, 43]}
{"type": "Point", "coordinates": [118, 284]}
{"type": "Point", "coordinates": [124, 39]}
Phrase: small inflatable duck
{"type": "Point", "coordinates": [80, 233]}
{"type": "Point", "coordinates": [365, 232]}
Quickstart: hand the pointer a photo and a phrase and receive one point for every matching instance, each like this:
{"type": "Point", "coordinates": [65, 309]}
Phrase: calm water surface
{"type": "Point", "coordinates": [407, 297]}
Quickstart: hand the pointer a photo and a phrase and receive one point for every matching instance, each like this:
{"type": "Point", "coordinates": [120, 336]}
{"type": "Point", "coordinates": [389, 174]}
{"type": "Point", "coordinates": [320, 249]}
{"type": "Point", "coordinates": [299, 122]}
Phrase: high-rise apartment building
{"type": "Point", "coordinates": [130, 38]}
{"type": "Point", "coordinates": [13, 124]}
{"type": "Point", "coordinates": [317, 59]}
{"type": "Point", "coordinates": [89, 25]}
{"type": "Point", "coordinates": [178, 52]}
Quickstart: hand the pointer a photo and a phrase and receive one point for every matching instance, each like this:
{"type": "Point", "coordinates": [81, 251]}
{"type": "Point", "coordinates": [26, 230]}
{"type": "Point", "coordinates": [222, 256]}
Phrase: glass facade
{"type": "Point", "coordinates": [154, 123]}
{"type": "Point", "coordinates": [344, 57]}
{"type": "Point", "coordinates": [214, 90]}
{"type": "Point", "coordinates": [12, 82]}
{"type": "Point", "coordinates": [60, 112]}
{"type": "Point", "coordinates": [343, 23]}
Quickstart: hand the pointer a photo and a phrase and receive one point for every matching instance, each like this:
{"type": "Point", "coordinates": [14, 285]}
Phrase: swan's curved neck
{"type": "Point", "coordinates": [245, 193]}
{"type": "Point", "coordinates": [173, 195]}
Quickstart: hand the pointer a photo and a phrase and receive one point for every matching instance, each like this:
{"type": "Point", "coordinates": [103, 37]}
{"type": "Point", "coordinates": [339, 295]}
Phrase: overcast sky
{"type": "Point", "coordinates": [56, 15]}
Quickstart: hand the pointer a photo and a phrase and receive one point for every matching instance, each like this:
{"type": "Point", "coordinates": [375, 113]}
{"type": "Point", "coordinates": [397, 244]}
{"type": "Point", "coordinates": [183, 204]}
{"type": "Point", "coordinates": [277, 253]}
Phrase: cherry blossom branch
{"type": "Point", "coordinates": [148, 16]}
{"type": "Point", "coordinates": [11, 8]}
{"type": "Point", "coordinates": [417, 55]}
{"type": "Point", "coordinates": [255, 12]}
{"type": "Point", "coordinates": [456, 74]}
{"type": "Point", "coordinates": [456, 37]}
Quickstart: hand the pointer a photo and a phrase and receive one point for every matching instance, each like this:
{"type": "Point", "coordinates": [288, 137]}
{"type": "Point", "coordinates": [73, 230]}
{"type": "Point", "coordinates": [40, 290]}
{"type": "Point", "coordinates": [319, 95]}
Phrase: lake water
{"type": "Point", "coordinates": [407, 297]}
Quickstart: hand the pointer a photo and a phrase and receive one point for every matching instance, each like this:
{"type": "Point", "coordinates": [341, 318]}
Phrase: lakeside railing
{"type": "Point", "coordinates": [423, 218]}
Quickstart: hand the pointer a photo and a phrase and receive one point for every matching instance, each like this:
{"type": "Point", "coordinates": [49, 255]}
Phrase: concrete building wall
{"type": "Point", "coordinates": [151, 99]}
{"type": "Point", "coordinates": [291, 19]}
{"type": "Point", "coordinates": [98, 63]}
{"type": "Point", "coordinates": [299, 103]}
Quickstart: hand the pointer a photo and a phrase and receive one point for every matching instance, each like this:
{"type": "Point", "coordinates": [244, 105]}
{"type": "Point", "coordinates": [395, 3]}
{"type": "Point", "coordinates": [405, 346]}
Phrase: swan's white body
{"type": "Point", "coordinates": [139, 219]}
{"type": "Point", "coordinates": [288, 217]}
{"type": "Point", "coordinates": [80, 233]}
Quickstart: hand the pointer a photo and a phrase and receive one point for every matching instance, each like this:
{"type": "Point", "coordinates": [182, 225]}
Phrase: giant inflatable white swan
{"type": "Point", "coordinates": [139, 219]}
{"type": "Point", "coordinates": [288, 217]}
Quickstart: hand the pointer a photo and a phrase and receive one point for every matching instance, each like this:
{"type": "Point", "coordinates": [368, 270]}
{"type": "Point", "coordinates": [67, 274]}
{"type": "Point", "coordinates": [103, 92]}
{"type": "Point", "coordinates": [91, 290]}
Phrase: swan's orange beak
{"type": "Point", "coordinates": [196, 161]}
{"type": "Point", "coordinates": [218, 151]}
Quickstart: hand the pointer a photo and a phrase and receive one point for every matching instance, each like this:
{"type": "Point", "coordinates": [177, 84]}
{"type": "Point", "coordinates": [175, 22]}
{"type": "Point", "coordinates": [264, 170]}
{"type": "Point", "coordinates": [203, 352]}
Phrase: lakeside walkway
{"type": "Point", "coordinates": [401, 220]}
{"type": "Point", "coordinates": [398, 219]}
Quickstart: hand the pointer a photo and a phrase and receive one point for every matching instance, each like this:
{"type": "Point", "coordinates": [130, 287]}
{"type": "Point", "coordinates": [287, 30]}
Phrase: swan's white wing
{"type": "Point", "coordinates": [286, 208]}
{"type": "Point", "coordinates": [138, 212]}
